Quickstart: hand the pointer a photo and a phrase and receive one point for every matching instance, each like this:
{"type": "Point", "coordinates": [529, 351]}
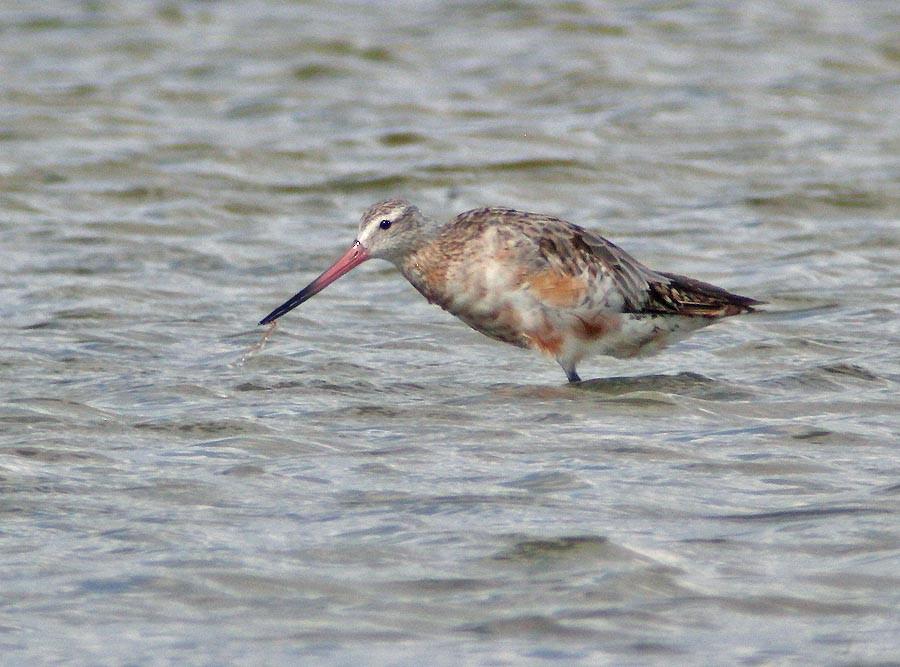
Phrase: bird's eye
{"type": "Point", "coordinates": [384, 224]}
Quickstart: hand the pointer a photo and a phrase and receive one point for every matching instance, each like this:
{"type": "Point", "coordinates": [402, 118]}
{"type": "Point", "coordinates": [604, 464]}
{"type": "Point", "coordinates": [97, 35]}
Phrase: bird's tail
{"type": "Point", "coordinates": [680, 295]}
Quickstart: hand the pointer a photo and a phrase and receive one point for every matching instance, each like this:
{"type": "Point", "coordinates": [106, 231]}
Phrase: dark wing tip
{"type": "Point", "coordinates": [688, 296]}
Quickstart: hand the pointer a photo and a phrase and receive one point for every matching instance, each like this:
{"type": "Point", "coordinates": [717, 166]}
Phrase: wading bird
{"type": "Point", "coordinates": [533, 281]}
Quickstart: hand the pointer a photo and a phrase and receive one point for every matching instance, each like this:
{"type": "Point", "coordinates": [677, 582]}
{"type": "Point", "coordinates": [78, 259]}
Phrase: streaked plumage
{"type": "Point", "coordinates": [533, 281]}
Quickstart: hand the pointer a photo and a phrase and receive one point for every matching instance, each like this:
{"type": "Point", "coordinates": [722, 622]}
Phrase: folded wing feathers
{"type": "Point", "coordinates": [680, 295]}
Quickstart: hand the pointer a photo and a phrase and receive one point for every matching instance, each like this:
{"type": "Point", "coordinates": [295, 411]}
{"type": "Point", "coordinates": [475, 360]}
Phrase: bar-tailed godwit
{"type": "Point", "coordinates": [534, 281]}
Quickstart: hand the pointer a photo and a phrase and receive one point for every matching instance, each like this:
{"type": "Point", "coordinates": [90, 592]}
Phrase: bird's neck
{"type": "Point", "coordinates": [426, 270]}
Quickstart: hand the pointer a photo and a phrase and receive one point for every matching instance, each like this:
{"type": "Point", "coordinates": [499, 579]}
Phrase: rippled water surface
{"type": "Point", "coordinates": [379, 484]}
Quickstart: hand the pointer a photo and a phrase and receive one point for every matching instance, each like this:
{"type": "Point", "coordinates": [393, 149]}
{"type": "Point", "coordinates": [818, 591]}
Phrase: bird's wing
{"type": "Point", "coordinates": [574, 251]}
{"type": "Point", "coordinates": [681, 295]}
{"type": "Point", "coordinates": [563, 265]}
{"type": "Point", "coordinates": [576, 256]}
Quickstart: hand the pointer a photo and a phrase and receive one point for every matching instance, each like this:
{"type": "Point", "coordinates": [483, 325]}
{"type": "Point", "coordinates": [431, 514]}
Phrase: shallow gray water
{"type": "Point", "coordinates": [379, 484]}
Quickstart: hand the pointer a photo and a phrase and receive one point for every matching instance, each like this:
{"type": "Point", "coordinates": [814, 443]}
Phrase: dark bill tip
{"type": "Point", "coordinates": [355, 256]}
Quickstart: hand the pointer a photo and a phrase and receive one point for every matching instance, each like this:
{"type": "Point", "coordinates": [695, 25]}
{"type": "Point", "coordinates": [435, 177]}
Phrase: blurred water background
{"type": "Point", "coordinates": [379, 484]}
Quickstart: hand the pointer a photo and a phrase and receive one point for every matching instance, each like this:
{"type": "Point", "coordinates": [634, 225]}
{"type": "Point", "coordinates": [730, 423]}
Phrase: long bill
{"type": "Point", "coordinates": [355, 256]}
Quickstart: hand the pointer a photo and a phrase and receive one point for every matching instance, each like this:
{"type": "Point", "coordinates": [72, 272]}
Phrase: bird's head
{"type": "Point", "coordinates": [390, 230]}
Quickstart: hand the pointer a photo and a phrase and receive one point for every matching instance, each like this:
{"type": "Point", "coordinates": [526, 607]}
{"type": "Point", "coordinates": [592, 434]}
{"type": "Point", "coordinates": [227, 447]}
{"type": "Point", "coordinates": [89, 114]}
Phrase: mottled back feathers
{"type": "Point", "coordinates": [559, 254]}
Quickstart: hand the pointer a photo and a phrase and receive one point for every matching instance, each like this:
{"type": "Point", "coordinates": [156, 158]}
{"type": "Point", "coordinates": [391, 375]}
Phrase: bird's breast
{"type": "Point", "coordinates": [484, 291]}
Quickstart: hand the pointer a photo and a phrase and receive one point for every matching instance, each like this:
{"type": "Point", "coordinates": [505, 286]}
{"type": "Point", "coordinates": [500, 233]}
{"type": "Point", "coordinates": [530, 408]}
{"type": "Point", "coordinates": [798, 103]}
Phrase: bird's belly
{"type": "Point", "coordinates": [633, 335]}
{"type": "Point", "coordinates": [567, 334]}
